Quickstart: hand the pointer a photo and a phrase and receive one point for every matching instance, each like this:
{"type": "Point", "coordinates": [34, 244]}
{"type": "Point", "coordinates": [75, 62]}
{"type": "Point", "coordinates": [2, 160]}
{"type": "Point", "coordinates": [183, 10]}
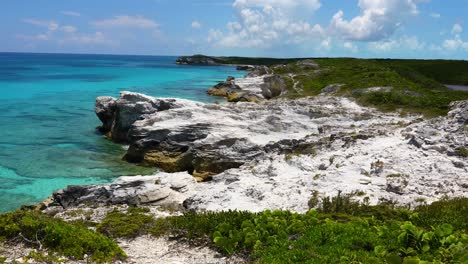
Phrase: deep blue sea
{"type": "Point", "coordinates": [47, 122]}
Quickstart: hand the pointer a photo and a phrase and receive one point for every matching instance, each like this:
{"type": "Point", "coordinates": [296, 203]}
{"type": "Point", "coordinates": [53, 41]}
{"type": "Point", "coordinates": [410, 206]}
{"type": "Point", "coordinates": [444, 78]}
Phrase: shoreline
{"type": "Point", "coordinates": [278, 153]}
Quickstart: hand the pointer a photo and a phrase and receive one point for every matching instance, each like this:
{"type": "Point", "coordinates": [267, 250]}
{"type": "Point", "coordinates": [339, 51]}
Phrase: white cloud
{"type": "Point", "coordinates": [455, 44]}
{"type": "Point", "coordinates": [457, 29]}
{"type": "Point", "coordinates": [379, 19]}
{"type": "Point", "coordinates": [196, 24]}
{"type": "Point", "coordinates": [266, 23]}
{"type": "Point", "coordinates": [97, 38]}
{"type": "Point", "coordinates": [350, 46]}
{"type": "Point", "coordinates": [126, 21]}
{"type": "Point", "coordinates": [71, 13]}
{"type": "Point", "coordinates": [50, 25]}
{"type": "Point", "coordinates": [214, 35]}
{"type": "Point", "coordinates": [435, 15]}
{"type": "Point", "coordinates": [68, 29]}
{"type": "Point", "coordinates": [282, 4]}
{"type": "Point", "coordinates": [404, 42]}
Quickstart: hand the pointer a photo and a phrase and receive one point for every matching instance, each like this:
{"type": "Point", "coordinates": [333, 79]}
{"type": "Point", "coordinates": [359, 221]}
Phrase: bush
{"type": "Point", "coordinates": [128, 225]}
{"type": "Point", "coordinates": [40, 230]}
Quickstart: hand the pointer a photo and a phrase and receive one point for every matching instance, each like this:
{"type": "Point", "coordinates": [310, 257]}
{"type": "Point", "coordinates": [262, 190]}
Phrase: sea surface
{"type": "Point", "coordinates": [47, 122]}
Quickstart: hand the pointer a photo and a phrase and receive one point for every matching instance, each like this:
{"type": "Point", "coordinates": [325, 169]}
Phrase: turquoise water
{"type": "Point", "coordinates": [47, 121]}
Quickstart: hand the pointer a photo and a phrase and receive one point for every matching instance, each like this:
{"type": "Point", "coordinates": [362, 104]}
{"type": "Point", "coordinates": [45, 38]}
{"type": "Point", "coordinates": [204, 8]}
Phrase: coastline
{"type": "Point", "coordinates": [282, 152]}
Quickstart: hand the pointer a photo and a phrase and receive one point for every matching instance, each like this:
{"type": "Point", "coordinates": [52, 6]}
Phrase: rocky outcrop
{"type": "Point", "coordinates": [250, 89]}
{"type": "Point", "coordinates": [259, 71]}
{"type": "Point", "coordinates": [225, 88]}
{"type": "Point", "coordinates": [446, 135]}
{"type": "Point", "coordinates": [307, 64]}
{"type": "Point", "coordinates": [381, 89]}
{"type": "Point", "coordinates": [245, 67]}
{"type": "Point", "coordinates": [118, 115]}
{"type": "Point", "coordinates": [273, 86]}
{"type": "Point", "coordinates": [331, 88]}
{"type": "Point", "coordinates": [274, 154]}
{"type": "Point", "coordinates": [162, 189]}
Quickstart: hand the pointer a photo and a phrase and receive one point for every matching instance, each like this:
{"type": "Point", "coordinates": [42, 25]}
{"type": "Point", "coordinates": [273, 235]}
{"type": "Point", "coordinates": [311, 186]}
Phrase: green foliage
{"type": "Point", "coordinates": [198, 227]}
{"type": "Point", "coordinates": [129, 225]}
{"type": "Point", "coordinates": [58, 236]}
{"type": "Point", "coordinates": [443, 71]}
{"type": "Point", "coordinates": [263, 230]}
{"type": "Point", "coordinates": [340, 231]}
{"type": "Point", "coordinates": [453, 211]}
{"type": "Point", "coordinates": [462, 152]}
{"type": "Point", "coordinates": [415, 244]}
{"type": "Point", "coordinates": [40, 257]}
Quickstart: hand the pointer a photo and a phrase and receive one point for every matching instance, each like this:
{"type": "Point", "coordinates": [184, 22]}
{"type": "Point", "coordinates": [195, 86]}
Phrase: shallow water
{"type": "Point", "coordinates": [47, 121]}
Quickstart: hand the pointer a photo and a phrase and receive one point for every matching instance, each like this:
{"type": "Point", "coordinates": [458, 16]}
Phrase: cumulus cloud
{"type": "Point", "coordinates": [457, 29]}
{"type": "Point", "coordinates": [264, 23]}
{"type": "Point", "coordinates": [435, 15]}
{"type": "Point", "coordinates": [454, 44]}
{"type": "Point", "coordinates": [126, 21]}
{"type": "Point", "coordinates": [71, 13]}
{"type": "Point", "coordinates": [378, 19]}
{"type": "Point", "coordinates": [196, 24]}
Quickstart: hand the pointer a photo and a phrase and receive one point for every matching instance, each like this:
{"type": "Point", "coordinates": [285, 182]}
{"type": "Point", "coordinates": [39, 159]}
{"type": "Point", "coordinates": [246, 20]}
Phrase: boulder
{"type": "Point", "coordinates": [224, 88]}
{"type": "Point", "coordinates": [259, 71]}
{"type": "Point", "coordinates": [273, 86]}
{"type": "Point", "coordinates": [332, 88]}
{"type": "Point", "coordinates": [104, 109]}
{"type": "Point", "coordinates": [118, 115]}
{"type": "Point", "coordinates": [162, 189]}
{"type": "Point", "coordinates": [307, 64]}
{"type": "Point", "coordinates": [381, 89]}
{"type": "Point", "coordinates": [459, 112]}
{"type": "Point", "coordinates": [243, 97]}
{"type": "Point", "coordinates": [245, 68]}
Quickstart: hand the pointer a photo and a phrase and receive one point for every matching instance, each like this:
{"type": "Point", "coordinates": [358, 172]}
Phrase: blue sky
{"type": "Point", "coordinates": [276, 28]}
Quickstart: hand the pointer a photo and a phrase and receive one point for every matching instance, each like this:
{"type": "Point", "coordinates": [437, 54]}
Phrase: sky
{"type": "Point", "coordinates": [259, 28]}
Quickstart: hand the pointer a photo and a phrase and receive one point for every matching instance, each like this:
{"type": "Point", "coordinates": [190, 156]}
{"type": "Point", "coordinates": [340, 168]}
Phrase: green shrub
{"type": "Point", "coordinates": [40, 230]}
{"type": "Point", "coordinates": [128, 225]}
{"type": "Point", "coordinates": [453, 211]}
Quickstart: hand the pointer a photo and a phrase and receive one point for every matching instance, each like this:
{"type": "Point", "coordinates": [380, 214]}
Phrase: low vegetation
{"type": "Point", "coordinates": [410, 88]}
{"type": "Point", "coordinates": [58, 237]}
{"type": "Point", "coordinates": [339, 230]}
{"type": "Point", "coordinates": [416, 86]}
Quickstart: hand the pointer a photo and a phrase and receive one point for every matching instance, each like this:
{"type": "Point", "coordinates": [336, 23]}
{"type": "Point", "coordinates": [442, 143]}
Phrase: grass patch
{"type": "Point", "coordinates": [57, 236]}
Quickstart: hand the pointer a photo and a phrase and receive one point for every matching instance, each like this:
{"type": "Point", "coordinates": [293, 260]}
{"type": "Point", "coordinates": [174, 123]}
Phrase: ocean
{"type": "Point", "coordinates": [47, 122]}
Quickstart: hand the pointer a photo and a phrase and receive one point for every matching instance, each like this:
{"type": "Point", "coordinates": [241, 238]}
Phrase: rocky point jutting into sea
{"type": "Point", "coordinates": [275, 153]}
{"type": "Point", "coordinates": [261, 150]}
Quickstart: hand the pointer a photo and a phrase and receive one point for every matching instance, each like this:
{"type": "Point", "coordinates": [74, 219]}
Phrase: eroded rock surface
{"type": "Point", "coordinates": [274, 154]}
